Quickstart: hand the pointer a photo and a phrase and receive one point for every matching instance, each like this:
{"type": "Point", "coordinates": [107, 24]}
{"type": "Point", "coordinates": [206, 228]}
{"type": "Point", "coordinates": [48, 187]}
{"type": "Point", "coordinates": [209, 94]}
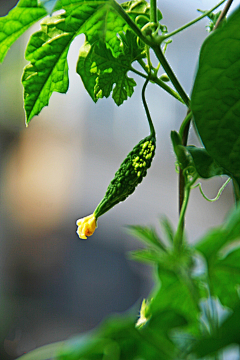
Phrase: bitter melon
{"type": "Point", "coordinates": [129, 175]}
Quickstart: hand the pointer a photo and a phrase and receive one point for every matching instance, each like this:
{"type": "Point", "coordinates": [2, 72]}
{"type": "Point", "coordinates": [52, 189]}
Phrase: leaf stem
{"type": "Point", "coordinates": [206, 13]}
{"type": "Point", "coordinates": [157, 81]}
{"type": "Point", "coordinates": [152, 130]}
{"type": "Point", "coordinates": [153, 11]}
{"type": "Point", "coordinates": [185, 123]}
{"type": "Point", "coordinates": [171, 74]}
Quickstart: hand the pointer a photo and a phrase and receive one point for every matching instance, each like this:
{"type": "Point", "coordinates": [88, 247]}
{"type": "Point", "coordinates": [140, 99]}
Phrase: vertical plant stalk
{"type": "Point", "coordinates": [184, 131]}
{"type": "Point", "coordinates": [223, 13]}
{"type": "Point", "coordinates": [151, 126]}
{"type": "Point", "coordinates": [153, 11]}
{"type": "Point", "coordinates": [187, 127]}
{"type": "Point", "coordinates": [171, 74]}
{"type": "Point", "coordinates": [178, 239]}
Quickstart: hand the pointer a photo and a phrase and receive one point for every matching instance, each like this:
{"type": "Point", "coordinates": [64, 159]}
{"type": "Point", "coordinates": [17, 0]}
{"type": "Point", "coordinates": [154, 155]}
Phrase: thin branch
{"type": "Point", "coordinates": [206, 13]}
{"type": "Point", "coordinates": [223, 13]}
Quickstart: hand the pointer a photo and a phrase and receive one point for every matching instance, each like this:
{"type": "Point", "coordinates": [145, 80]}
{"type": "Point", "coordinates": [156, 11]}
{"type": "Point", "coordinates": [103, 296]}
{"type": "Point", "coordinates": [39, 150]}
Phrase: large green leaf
{"type": "Point", "coordinates": [48, 70]}
{"type": "Point", "coordinates": [18, 20]}
{"type": "Point", "coordinates": [223, 262]}
{"type": "Point", "coordinates": [216, 95]}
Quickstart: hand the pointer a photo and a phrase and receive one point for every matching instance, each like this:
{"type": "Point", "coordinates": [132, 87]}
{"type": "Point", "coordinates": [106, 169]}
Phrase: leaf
{"type": "Point", "coordinates": [137, 8]}
{"type": "Point", "coordinates": [224, 276]}
{"type": "Point", "coordinates": [49, 5]}
{"type": "Point", "coordinates": [216, 92]}
{"type": "Point", "coordinates": [168, 229]}
{"type": "Point", "coordinates": [213, 19]}
{"type": "Point", "coordinates": [176, 294]}
{"type": "Point", "coordinates": [228, 333]}
{"type": "Point", "coordinates": [96, 19]}
{"type": "Point", "coordinates": [115, 339]}
{"type": "Point", "coordinates": [48, 49]}
{"type": "Point", "coordinates": [145, 256]}
{"type": "Point", "coordinates": [48, 70]}
{"type": "Point", "coordinates": [206, 166]}
{"type": "Point", "coordinates": [18, 20]}
{"type": "Point", "coordinates": [146, 234]}
{"type": "Point", "coordinates": [100, 70]}
{"type": "Point", "coordinates": [223, 264]}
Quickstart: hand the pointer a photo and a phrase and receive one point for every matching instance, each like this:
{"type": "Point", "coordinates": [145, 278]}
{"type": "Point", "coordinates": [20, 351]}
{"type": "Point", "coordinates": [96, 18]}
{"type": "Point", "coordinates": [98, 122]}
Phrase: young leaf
{"type": "Point", "coordinates": [18, 20]}
{"type": "Point", "coordinates": [48, 70]}
{"type": "Point", "coordinates": [216, 92]}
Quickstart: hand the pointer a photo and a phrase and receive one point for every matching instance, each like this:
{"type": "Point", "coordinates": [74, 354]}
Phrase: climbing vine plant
{"type": "Point", "coordinates": [182, 319]}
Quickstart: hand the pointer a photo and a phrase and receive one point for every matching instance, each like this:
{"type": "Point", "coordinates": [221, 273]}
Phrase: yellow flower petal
{"type": "Point", "coordinates": [86, 226]}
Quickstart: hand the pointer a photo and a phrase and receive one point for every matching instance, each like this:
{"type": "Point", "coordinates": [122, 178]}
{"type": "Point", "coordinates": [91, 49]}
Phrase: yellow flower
{"type": "Point", "coordinates": [86, 226]}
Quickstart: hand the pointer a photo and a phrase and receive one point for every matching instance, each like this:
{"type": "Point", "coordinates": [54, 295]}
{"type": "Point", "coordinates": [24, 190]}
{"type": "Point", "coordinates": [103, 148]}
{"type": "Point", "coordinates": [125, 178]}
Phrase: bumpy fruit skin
{"type": "Point", "coordinates": [129, 175]}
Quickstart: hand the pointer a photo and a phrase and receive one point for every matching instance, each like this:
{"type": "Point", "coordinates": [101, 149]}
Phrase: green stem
{"type": "Point", "coordinates": [185, 123]}
{"type": "Point", "coordinates": [223, 14]}
{"type": "Point", "coordinates": [178, 239]}
{"type": "Point", "coordinates": [164, 37]}
{"type": "Point", "coordinates": [152, 130]}
{"type": "Point", "coordinates": [153, 11]}
{"type": "Point", "coordinates": [157, 81]}
{"type": "Point", "coordinates": [171, 74]}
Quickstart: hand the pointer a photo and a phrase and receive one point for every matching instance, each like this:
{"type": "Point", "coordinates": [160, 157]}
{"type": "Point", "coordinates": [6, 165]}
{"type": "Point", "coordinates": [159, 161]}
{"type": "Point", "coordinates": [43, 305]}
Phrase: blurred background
{"type": "Point", "coordinates": [52, 285]}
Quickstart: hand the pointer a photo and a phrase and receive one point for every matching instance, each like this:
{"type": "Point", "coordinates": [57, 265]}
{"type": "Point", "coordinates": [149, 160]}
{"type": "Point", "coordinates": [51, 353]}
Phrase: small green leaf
{"type": "Point", "coordinates": [48, 70]}
{"type": "Point", "coordinates": [183, 157]}
{"type": "Point", "coordinates": [213, 19]}
{"type": "Point", "coordinates": [147, 234]}
{"type": "Point", "coordinates": [204, 164]}
{"type": "Point", "coordinates": [103, 74]}
{"type": "Point", "coordinates": [18, 20]}
{"type": "Point", "coordinates": [216, 92]}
